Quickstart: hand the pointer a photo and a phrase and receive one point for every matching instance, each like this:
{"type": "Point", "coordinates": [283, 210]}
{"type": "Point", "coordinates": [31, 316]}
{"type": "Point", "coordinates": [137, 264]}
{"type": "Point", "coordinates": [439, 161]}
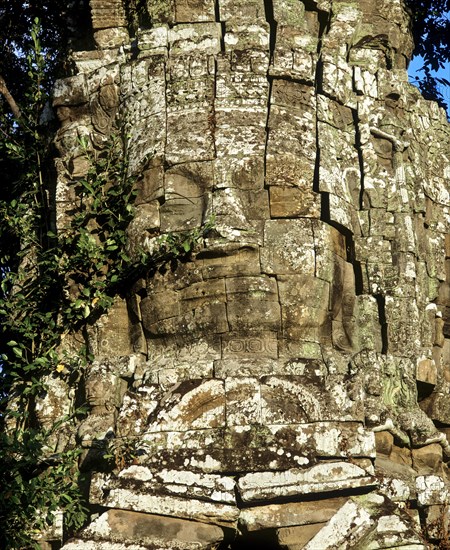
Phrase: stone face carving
{"type": "Point", "coordinates": [301, 353]}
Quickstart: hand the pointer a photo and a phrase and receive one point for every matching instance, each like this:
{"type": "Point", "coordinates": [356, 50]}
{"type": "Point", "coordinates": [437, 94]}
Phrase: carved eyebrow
{"type": "Point", "coordinates": [369, 39]}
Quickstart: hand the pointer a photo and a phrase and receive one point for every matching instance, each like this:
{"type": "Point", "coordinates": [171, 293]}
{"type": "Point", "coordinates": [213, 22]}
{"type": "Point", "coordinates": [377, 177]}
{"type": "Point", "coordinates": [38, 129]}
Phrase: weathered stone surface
{"type": "Point", "coordinates": [150, 530]}
{"type": "Point", "coordinates": [70, 91]}
{"type": "Point", "coordinates": [431, 489]}
{"type": "Point", "coordinates": [318, 479]}
{"type": "Point", "coordinates": [308, 333]}
{"type": "Point", "coordinates": [295, 513]}
{"type": "Point", "coordinates": [111, 38]}
{"type": "Point", "coordinates": [294, 538]}
{"type": "Point", "coordinates": [145, 497]}
{"type": "Point", "coordinates": [107, 14]}
{"type": "Point", "coordinates": [365, 522]}
{"type": "Point", "coordinates": [437, 521]}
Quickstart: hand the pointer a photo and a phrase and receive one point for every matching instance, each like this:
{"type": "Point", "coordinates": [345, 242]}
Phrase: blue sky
{"type": "Point", "coordinates": [417, 63]}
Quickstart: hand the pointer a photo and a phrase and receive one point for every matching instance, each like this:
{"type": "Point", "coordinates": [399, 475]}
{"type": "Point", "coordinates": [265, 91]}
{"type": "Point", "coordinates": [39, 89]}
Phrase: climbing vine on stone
{"type": "Point", "coordinates": [54, 282]}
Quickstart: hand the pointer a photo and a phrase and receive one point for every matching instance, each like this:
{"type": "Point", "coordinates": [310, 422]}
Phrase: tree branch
{"type": "Point", "coordinates": [9, 98]}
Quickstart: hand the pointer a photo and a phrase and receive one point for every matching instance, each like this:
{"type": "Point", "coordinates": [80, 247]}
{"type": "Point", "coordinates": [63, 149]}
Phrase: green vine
{"type": "Point", "coordinates": [52, 284]}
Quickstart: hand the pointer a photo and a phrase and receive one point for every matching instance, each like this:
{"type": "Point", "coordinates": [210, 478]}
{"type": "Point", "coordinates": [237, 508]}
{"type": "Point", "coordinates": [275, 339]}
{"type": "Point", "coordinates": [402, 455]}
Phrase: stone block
{"type": "Point", "coordinates": [151, 186]}
{"type": "Point", "coordinates": [294, 202]}
{"type": "Point", "coordinates": [339, 177]}
{"type": "Point", "coordinates": [251, 365]}
{"type": "Point", "coordinates": [259, 288]}
{"type": "Point", "coordinates": [145, 224]}
{"type": "Point", "coordinates": [304, 350]}
{"type": "Point", "coordinates": [340, 212]}
{"type": "Point", "coordinates": [146, 141]}
{"type": "Point", "coordinates": [148, 529]}
{"type": "Point", "coordinates": [252, 304]}
{"type": "Point", "coordinates": [384, 442]}
{"type": "Point", "coordinates": [229, 261]}
{"type": "Point", "coordinates": [261, 447]}
{"type": "Point", "coordinates": [235, 88]}
{"type": "Point", "coordinates": [201, 293]}
{"type": "Point", "coordinates": [210, 317]}
{"type": "Point", "coordinates": [368, 328]}
{"type": "Point", "coordinates": [258, 344]}
{"type": "Point", "coordinates": [242, 11]}
{"type": "Point", "coordinates": [291, 148]}
{"type": "Point", "coordinates": [393, 531]}
{"type": "Point", "coordinates": [295, 538]}
{"type": "Point", "coordinates": [286, 515]}
{"type": "Point", "coordinates": [107, 14]}
{"type": "Point", "coordinates": [295, 63]}
{"type": "Point", "coordinates": [312, 396]}
{"type": "Point", "coordinates": [199, 39]}
{"type": "Point", "coordinates": [187, 11]}
{"type": "Point", "coordinates": [145, 497]}
{"type": "Point", "coordinates": [288, 247]}
{"type": "Point", "coordinates": [250, 314]}
{"type": "Point", "coordinates": [404, 338]}
{"type": "Point", "coordinates": [189, 94]}
{"type": "Point", "coordinates": [240, 214]}
{"type": "Point", "coordinates": [153, 39]}
{"type": "Point", "coordinates": [159, 308]}
{"type": "Point", "coordinates": [431, 490]}
{"type": "Point", "coordinates": [113, 332]}
{"type": "Point", "coordinates": [426, 371]}
{"type": "Point", "coordinates": [437, 520]}
{"type": "Point", "coordinates": [78, 544]}
{"type": "Point", "coordinates": [295, 290]}
{"type": "Point", "coordinates": [397, 481]}
{"type": "Point", "coordinates": [194, 404]}
{"type": "Point", "coordinates": [219, 458]}
{"type": "Point", "coordinates": [161, 12]}
{"type": "Point", "coordinates": [243, 401]}
{"type": "Point", "coordinates": [322, 440]}
{"type": "Point", "coordinates": [330, 476]}
{"type": "Point", "coordinates": [95, 432]}
{"type": "Point", "coordinates": [288, 400]}
{"type": "Point", "coordinates": [239, 133]}
{"type": "Point", "coordinates": [247, 37]}
{"type": "Point", "coordinates": [331, 250]}
{"type": "Point", "coordinates": [347, 527]}
{"type": "Point", "coordinates": [189, 136]}
{"type": "Point", "coordinates": [337, 78]}
{"type": "Point", "coordinates": [135, 410]}
{"type": "Point", "coordinates": [193, 359]}
{"type": "Point", "coordinates": [304, 301]}
{"type": "Point", "coordinates": [210, 487]}
{"type": "Point", "coordinates": [70, 91]}
{"type": "Point", "coordinates": [111, 38]}
{"type": "Point", "coordinates": [401, 455]}
{"type": "Point", "coordinates": [427, 460]}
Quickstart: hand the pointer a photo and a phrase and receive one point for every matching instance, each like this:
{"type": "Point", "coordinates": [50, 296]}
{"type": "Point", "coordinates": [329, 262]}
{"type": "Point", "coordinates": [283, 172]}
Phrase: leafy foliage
{"type": "Point", "coordinates": [36, 489]}
{"type": "Point", "coordinates": [52, 284]}
{"type": "Point", "coordinates": [32, 490]}
{"type": "Point", "coordinates": [431, 31]}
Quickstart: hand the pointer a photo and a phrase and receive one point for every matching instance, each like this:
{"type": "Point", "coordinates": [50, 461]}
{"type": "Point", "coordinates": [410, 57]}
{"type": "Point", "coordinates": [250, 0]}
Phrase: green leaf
{"type": "Point", "coordinates": [17, 351]}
